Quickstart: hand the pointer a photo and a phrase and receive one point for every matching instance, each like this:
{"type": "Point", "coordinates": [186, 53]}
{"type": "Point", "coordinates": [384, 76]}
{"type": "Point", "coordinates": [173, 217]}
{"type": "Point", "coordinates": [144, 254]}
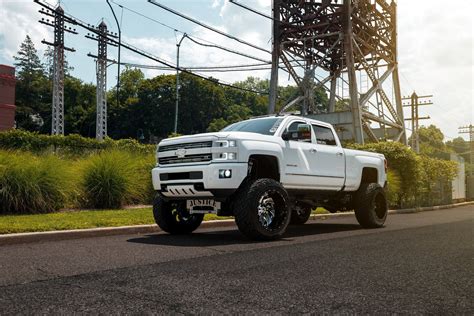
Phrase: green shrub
{"type": "Point", "coordinates": [402, 160]}
{"type": "Point", "coordinates": [70, 144]}
{"type": "Point", "coordinates": [394, 188]}
{"type": "Point", "coordinates": [422, 180]}
{"type": "Point", "coordinates": [114, 178]}
{"type": "Point", "coordinates": [31, 184]}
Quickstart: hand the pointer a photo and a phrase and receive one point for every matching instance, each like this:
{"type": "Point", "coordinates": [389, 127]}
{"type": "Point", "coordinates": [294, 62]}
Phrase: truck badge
{"type": "Point", "coordinates": [180, 153]}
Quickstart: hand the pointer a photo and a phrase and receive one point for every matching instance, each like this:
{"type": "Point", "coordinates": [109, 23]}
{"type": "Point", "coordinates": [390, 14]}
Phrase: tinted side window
{"type": "Point", "coordinates": [324, 135]}
{"type": "Point", "coordinates": [295, 127]}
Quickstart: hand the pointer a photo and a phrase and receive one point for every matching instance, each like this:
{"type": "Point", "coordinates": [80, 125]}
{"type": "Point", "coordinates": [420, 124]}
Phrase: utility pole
{"type": "Point", "coordinates": [57, 121]}
{"type": "Point", "coordinates": [469, 130]}
{"type": "Point", "coordinates": [178, 45]}
{"type": "Point", "coordinates": [101, 77]}
{"type": "Point", "coordinates": [415, 102]}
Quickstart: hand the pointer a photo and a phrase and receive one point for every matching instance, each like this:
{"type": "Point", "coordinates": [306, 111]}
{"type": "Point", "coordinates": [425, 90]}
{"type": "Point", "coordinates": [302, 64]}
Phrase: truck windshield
{"type": "Point", "coordinates": [265, 126]}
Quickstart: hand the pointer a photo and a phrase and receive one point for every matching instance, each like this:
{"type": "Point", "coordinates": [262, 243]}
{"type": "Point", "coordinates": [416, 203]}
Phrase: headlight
{"type": "Point", "coordinates": [226, 156]}
{"type": "Point", "coordinates": [225, 143]}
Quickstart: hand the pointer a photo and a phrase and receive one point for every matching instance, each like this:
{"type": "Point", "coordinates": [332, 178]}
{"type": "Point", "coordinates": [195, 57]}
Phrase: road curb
{"type": "Point", "coordinates": [21, 238]}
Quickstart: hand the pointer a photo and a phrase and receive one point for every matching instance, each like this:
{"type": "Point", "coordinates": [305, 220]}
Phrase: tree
{"type": "Point", "coordinates": [32, 88]}
{"type": "Point", "coordinates": [27, 60]}
{"type": "Point", "coordinates": [431, 141]}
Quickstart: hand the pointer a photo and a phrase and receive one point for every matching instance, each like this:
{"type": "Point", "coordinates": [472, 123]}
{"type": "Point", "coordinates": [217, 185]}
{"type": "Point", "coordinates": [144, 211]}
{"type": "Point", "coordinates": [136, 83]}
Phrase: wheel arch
{"type": "Point", "coordinates": [264, 166]}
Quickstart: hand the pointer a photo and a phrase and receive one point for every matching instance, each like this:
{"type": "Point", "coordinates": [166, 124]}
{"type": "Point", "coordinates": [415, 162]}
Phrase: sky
{"type": "Point", "coordinates": [435, 47]}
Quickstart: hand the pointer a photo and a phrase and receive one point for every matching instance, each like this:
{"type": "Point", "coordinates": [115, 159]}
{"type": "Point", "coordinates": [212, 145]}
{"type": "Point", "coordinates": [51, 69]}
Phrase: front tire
{"type": "Point", "coordinates": [371, 206]}
{"type": "Point", "coordinates": [263, 210]}
{"type": "Point", "coordinates": [173, 217]}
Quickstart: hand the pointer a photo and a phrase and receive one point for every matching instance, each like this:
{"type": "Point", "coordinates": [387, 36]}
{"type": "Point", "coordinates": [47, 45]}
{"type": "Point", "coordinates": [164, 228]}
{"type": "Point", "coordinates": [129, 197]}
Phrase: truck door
{"type": "Point", "coordinates": [299, 153]}
{"type": "Point", "coordinates": [328, 162]}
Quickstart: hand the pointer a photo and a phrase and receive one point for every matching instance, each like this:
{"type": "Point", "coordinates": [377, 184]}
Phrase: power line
{"type": "Point", "coordinates": [207, 26]}
{"type": "Point", "coordinates": [147, 17]}
{"type": "Point", "coordinates": [199, 69]}
{"type": "Point", "coordinates": [250, 9]}
{"type": "Point", "coordinates": [71, 19]}
{"type": "Point", "coordinates": [193, 38]}
{"type": "Point", "coordinates": [228, 50]}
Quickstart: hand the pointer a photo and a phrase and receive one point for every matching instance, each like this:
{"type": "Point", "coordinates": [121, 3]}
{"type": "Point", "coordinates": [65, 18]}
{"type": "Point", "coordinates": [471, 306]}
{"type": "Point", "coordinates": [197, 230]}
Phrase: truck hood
{"type": "Point", "coordinates": [217, 135]}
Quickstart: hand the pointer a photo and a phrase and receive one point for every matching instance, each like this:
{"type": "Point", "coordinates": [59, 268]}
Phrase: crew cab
{"type": "Point", "coordinates": [267, 172]}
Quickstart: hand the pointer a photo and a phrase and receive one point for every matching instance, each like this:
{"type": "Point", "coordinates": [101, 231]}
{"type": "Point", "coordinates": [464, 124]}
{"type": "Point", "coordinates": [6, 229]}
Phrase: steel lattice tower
{"type": "Point", "coordinates": [102, 36]}
{"type": "Point", "coordinates": [346, 40]}
{"type": "Point", "coordinates": [101, 124]}
{"type": "Point", "coordinates": [57, 125]}
{"type": "Point", "coordinates": [57, 119]}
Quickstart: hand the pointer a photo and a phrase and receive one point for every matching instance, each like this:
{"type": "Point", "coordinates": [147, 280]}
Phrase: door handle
{"type": "Point", "coordinates": [313, 151]}
{"type": "Point", "coordinates": [338, 154]}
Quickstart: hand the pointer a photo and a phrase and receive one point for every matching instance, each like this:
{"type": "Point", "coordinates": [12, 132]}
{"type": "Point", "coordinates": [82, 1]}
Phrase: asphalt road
{"type": "Point", "coordinates": [418, 263]}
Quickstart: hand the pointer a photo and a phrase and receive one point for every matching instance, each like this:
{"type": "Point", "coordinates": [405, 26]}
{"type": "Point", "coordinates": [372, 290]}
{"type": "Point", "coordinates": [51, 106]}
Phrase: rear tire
{"type": "Point", "coordinates": [262, 211]}
{"type": "Point", "coordinates": [173, 217]}
{"type": "Point", "coordinates": [371, 206]}
{"type": "Point", "coordinates": [300, 215]}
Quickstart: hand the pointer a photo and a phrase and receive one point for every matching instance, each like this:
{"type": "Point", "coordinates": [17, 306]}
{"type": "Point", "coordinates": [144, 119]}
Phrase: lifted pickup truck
{"type": "Point", "coordinates": [267, 172]}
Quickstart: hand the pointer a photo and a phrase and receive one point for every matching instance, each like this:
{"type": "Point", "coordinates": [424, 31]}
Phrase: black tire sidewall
{"type": "Point", "coordinates": [162, 212]}
{"type": "Point", "coordinates": [246, 214]}
{"type": "Point", "coordinates": [365, 205]}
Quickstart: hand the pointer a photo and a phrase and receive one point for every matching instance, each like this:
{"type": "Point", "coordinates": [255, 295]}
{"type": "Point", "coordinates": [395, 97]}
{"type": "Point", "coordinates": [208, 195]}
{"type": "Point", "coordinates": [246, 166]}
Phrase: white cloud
{"type": "Point", "coordinates": [215, 3]}
{"type": "Point", "coordinates": [16, 21]}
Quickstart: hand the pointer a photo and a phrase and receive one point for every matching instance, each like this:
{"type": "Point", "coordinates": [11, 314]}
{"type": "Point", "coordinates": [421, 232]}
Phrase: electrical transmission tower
{"type": "Point", "coordinates": [414, 102]}
{"type": "Point", "coordinates": [101, 73]}
{"type": "Point", "coordinates": [327, 44]}
{"type": "Point", "coordinates": [469, 130]}
{"type": "Point", "coordinates": [57, 124]}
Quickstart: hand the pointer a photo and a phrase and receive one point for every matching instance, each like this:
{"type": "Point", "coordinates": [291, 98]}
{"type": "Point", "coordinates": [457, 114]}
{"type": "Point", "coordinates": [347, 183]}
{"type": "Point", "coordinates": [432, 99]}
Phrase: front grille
{"type": "Point", "coordinates": [185, 146]}
{"type": "Point", "coordinates": [186, 159]}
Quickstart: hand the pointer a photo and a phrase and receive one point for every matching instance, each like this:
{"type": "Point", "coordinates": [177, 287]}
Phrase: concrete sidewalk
{"type": "Point", "coordinates": [9, 239]}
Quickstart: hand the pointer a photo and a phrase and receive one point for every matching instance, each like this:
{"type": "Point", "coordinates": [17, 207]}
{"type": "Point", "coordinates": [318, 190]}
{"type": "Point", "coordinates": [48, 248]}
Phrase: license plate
{"type": "Point", "coordinates": [203, 206]}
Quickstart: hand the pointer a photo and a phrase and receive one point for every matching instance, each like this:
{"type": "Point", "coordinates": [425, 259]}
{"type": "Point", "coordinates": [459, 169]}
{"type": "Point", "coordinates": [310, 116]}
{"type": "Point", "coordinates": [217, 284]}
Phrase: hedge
{"type": "Point", "coordinates": [74, 144]}
{"type": "Point", "coordinates": [417, 175]}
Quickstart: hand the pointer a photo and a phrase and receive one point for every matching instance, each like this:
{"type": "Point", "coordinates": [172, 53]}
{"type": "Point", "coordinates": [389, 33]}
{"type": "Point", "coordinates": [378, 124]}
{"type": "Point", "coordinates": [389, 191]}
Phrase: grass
{"type": "Point", "coordinates": [79, 220]}
{"type": "Point", "coordinates": [86, 219]}
{"type": "Point", "coordinates": [29, 183]}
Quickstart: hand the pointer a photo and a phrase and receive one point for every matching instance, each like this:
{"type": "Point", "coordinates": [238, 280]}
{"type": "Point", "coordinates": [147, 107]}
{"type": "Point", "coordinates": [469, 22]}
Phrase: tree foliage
{"type": "Point", "coordinates": [431, 141]}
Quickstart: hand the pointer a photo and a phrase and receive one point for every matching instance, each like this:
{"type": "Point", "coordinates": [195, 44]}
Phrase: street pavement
{"type": "Point", "coordinates": [419, 263]}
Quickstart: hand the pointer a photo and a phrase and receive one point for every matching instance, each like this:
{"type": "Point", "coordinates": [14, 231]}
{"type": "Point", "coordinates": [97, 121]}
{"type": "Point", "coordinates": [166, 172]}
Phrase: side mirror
{"type": "Point", "coordinates": [286, 136]}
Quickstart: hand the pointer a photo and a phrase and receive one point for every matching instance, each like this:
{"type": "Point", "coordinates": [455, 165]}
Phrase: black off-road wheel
{"type": "Point", "coordinates": [173, 217]}
{"type": "Point", "coordinates": [300, 214]}
{"type": "Point", "coordinates": [262, 212]}
{"type": "Point", "coordinates": [371, 206]}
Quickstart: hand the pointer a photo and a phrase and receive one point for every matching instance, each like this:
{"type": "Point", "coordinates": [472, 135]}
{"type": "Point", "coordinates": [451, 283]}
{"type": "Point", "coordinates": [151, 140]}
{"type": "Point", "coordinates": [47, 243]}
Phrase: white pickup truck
{"type": "Point", "coordinates": [267, 172]}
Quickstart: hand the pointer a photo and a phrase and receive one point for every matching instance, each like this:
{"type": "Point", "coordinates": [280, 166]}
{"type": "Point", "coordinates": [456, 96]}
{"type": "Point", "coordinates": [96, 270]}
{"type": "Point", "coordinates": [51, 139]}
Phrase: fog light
{"type": "Point", "coordinates": [225, 173]}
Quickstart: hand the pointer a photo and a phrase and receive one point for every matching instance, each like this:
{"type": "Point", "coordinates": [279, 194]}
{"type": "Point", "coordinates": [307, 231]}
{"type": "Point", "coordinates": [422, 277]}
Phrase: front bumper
{"type": "Point", "coordinates": [198, 181]}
